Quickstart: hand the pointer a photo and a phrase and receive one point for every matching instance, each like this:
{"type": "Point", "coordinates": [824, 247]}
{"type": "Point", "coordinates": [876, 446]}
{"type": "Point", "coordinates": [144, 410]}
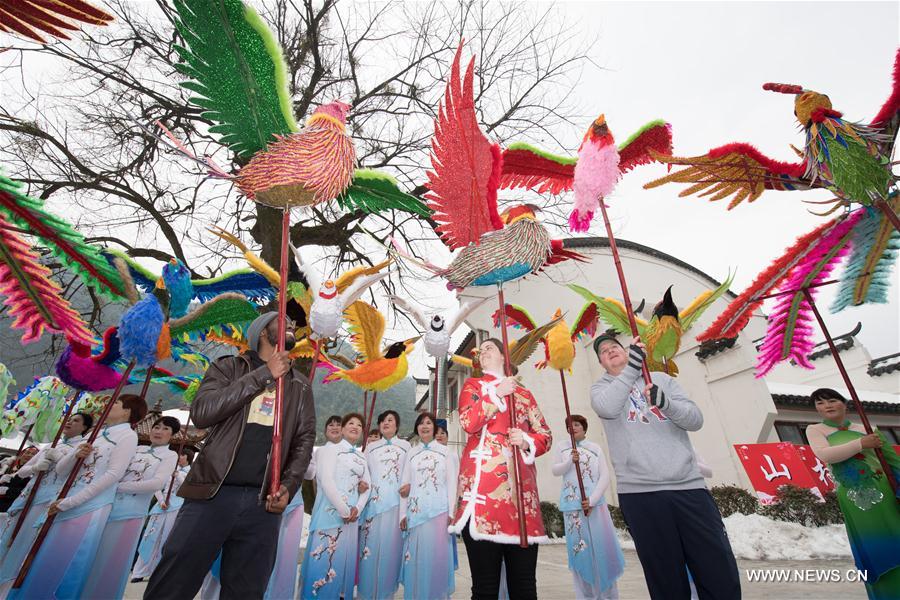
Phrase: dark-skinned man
{"type": "Point", "coordinates": [227, 506]}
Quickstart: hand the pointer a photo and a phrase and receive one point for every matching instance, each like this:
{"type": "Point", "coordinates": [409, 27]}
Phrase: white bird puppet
{"type": "Point", "coordinates": [334, 296]}
{"type": "Point", "coordinates": [438, 328]}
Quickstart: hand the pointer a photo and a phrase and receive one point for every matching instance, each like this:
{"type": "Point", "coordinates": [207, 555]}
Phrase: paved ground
{"type": "Point", "coordinates": [554, 580]}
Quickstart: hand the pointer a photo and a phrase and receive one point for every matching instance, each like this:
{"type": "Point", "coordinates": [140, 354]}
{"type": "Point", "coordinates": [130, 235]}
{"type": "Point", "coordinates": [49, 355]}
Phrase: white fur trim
{"type": "Point", "coordinates": [528, 454]}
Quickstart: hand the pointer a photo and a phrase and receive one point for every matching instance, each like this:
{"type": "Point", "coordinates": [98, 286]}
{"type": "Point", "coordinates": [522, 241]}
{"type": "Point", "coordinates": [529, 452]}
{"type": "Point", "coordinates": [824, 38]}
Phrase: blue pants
{"type": "Point", "coordinates": [677, 529]}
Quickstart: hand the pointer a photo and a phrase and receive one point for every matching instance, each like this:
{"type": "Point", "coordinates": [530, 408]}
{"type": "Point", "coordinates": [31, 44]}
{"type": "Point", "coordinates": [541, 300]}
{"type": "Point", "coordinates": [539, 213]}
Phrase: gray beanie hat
{"type": "Point", "coordinates": [256, 328]}
{"type": "Point", "coordinates": [605, 337]}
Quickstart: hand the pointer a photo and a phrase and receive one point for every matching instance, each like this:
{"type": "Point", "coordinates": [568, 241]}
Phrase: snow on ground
{"type": "Point", "coordinates": [755, 537]}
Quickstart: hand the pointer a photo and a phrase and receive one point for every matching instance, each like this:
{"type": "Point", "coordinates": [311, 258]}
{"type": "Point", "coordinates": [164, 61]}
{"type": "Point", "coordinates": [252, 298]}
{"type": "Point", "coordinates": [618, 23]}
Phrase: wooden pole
{"type": "Point", "coordinates": [511, 403]}
{"type": "Point", "coordinates": [187, 426]}
{"type": "Point", "coordinates": [889, 213]}
{"type": "Point", "coordinates": [857, 404]}
{"type": "Point", "coordinates": [40, 476]}
{"type": "Point", "coordinates": [316, 354]}
{"type": "Point", "coordinates": [622, 284]}
{"type": "Point", "coordinates": [369, 420]}
{"type": "Point", "coordinates": [73, 475]}
{"type": "Point", "coordinates": [21, 449]}
{"type": "Point", "coordinates": [279, 347]}
{"type": "Point", "coordinates": [562, 380]}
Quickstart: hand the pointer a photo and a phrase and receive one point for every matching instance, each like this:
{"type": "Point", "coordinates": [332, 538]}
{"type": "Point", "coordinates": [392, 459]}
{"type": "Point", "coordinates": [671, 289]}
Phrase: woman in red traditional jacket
{"type": "Point", "coordinates": [487, 511]}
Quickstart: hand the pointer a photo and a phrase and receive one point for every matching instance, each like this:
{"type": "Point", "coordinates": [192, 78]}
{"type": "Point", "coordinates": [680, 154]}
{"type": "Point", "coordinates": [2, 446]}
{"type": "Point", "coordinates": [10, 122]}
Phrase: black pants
{"type": "Point", "coordinates": [233, 522]}
{"type": "Point", "coordinates": [485, 560]}
{"type": "Point", "coordinates": [674, 529]}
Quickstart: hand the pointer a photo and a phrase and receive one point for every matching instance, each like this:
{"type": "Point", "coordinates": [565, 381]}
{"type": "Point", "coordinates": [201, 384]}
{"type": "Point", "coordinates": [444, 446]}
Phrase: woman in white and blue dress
{"type": "Point", "coordinates": [64, 560]}
{"type": "Point", "coordinates": [329, 564]}
{"type": "Point", "coordinates": [380, 542]}
{"type": "Point", "coordinates": [161, 520]}
{"type": "Point", "coordinates": [45, 462]}
{"type": "Point", "coordinates": [428, 492]}
{"type": "Point", "coordinates": [149, 472]}
{"type": "Point", "coordinates": [595, 558]}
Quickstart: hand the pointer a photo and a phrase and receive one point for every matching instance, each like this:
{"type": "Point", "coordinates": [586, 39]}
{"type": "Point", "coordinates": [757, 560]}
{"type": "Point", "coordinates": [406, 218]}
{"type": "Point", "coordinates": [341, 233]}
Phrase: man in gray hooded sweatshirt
{"type": "Point", "coordinates": [670, 514]}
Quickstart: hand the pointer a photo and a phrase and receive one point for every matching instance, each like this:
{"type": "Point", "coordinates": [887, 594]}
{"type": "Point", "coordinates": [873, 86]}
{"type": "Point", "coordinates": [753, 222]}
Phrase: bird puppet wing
{"type": "Point", "coordinates": [372, 192]}
{"type": "Point", "coordinates": [408, 307]}
{"type": "Point", "coordinates": [888, 118]}
{"type": "Point", "coordinates": [225, 309]}
{"type": "Point", "coordinates": [64, 241]}
{"type": "Point", "coordinates": [463, 312]}
{"type": "Point", "coordinates": [465, 166]}
{"type": "Point", "coordinates": [611, 311]}
{"type": "Point", "coordinates": [359, 276]}
{"type": "Point", "coordinates": [653, 138]}
{"type": "Point", "coordinates": [234, 64]}
{"type": "Point", "coordinates": [689, 315]}
{"type": "Point", "coordinates": [253, 285]}
{"type": "Point", "coordinates": [789, 334]}
{"type": "Point", "coordinates": [366, 329]}
{"type": "Point", "coordinates": [586, 322]}
{"type": "Point", "coordinates": [867, 275]}
{"type": "Point", "coordinates": [35, 301]}
{"type": "Point", "coordinates": [525, 166]}
{"type": "Point", "coordinates": [521, 349]}
{"type": "Point", "coordinates": [736, 316]}
{"type": "Point", "coordinates": [32, 18]}
{"type": "Point", "coordinates": [516, 316]}
{"type": "Point", "coordinates": [737, 170]}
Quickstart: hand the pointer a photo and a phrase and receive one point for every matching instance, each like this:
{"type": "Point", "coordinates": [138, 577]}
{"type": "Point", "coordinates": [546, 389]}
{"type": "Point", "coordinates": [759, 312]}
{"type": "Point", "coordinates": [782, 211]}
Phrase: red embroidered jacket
{"type": "Point", "coordinates": [484, 493]}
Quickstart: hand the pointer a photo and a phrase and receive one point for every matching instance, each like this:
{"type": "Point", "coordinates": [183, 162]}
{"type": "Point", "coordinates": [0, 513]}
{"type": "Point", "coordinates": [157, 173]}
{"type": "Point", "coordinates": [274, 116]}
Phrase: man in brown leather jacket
{"type": "Point", "coordinates": [227, 508]}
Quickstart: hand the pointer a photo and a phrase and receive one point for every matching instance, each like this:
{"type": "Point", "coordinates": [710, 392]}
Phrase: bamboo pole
{"type": "Point", "coordinates": [511, 403]}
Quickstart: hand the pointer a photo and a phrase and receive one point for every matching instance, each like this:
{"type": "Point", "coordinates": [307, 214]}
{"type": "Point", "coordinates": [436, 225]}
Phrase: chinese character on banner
{"type": "Point", "coordinates": [771, 466]}
{"type": "Point", "coordinates": [819, 470]}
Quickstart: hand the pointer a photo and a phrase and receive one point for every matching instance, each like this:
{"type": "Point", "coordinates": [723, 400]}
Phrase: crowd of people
{"type": "Point", "coordinates": [387, 512]}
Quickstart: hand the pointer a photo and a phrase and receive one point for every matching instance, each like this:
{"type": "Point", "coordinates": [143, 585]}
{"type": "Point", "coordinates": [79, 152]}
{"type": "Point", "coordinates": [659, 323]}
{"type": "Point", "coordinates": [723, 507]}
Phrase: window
{"type": "Point", "coordinates": [792, 431]}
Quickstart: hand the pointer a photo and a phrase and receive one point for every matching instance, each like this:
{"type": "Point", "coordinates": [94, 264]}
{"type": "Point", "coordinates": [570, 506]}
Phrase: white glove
{"type": "Point", "coordinates": [6, 478]}
{"type": "Point", "coordinates": [3, 489]}
{"type": "Point", "coordinates": [54, 454]}
{"type": "Point", "coordinates": [42, 465]}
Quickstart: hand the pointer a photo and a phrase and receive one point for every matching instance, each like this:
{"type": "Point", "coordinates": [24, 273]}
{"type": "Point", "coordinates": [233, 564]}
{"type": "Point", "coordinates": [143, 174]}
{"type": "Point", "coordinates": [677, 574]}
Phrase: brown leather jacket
{"type": "Point", "coordinates": [222, 405]}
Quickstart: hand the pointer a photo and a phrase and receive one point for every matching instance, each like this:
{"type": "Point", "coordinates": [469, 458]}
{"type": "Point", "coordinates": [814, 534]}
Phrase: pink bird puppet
{"type": "Point", "coordinates": [595, 172]}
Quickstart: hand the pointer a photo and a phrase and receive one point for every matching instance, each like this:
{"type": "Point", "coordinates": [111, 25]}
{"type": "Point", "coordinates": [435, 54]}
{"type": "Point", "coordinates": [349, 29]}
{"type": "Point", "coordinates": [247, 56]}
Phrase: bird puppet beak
{"type": "Point", "coordinates": [411, 342]}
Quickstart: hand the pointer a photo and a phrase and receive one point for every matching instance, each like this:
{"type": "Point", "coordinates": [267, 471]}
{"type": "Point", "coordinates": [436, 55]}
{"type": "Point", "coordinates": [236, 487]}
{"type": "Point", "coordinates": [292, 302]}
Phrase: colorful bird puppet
{"type": "Point", "coordinates": [377, 369]}
{"type": "Point", "coordinates": [559, 342]}
{"type": "Point", "coordinates": [35, 301]}
{"type": "Point", "coordinates": [439, 327]}
{"type": "Point", "coordinates": [663, 332]}
{"type": "Point", "coordinates": [595, 172]}
{"type": "Point", "coordinates": [183, 290]}
{"type": "Point", "coordinates": [849, 159]}
{"type": "Point", "coordinates": [32, 19]}
{"type": "Point", "coordinates": [467, 169]}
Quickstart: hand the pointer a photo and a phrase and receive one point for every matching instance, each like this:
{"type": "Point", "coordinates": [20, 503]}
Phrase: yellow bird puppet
{"type": "Point", "coordinates": [559, 341]}
{"type": "Point", "coordinates": [376, 369]}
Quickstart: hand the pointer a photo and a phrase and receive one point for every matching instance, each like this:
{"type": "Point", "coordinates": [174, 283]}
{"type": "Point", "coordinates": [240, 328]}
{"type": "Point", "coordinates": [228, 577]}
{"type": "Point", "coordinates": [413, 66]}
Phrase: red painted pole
{"type": "Point", "coordinates": [562, 380]}
{"type": "Point", "coordinates": [40, 476]}
{"type": "Point", "coordinates": [511, 403]}
{"type": "Point", "coordinates": [312, 369]}
{"type": "Point", "coordinates": [857, 404]}
{"type": "Point", "coordinates": [21, 449]}
{"type": "Point", "coordinates": [282, 329]}
{"type": "Point", "coordinates": [369, 420]}
{"type": "Point", "coordinates": [621, 274]}
{"type": "Point", "coordinates": [889, 213]}
{"type": "Point", "coordinates": [73, 475]}
{"type": "Point", "coordinates": [187, 426]}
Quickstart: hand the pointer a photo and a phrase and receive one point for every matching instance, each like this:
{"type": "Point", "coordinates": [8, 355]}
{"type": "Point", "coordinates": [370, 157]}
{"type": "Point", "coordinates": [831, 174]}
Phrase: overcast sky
{"type": "Point", "coordinates": [701, 67]}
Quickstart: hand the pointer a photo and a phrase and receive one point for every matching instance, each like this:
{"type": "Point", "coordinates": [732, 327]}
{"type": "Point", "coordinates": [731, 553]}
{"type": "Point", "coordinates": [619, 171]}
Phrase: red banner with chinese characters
{"type": "Point", "coordinates": [771, 466]}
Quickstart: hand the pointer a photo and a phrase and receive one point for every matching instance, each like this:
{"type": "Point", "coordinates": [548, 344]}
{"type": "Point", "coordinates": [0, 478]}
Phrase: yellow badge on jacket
{"type": "Point", "coordinates": [262, 409]}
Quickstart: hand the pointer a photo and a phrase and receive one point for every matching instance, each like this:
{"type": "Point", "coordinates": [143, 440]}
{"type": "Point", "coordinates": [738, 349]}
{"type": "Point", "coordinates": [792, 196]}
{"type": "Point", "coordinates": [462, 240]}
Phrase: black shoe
{"type": "Point", "coordinates": [137, 580]}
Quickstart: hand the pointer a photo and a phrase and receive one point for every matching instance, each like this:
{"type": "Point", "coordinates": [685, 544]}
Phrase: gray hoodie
{"type": "Point", "coordinates": [649, 445]}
